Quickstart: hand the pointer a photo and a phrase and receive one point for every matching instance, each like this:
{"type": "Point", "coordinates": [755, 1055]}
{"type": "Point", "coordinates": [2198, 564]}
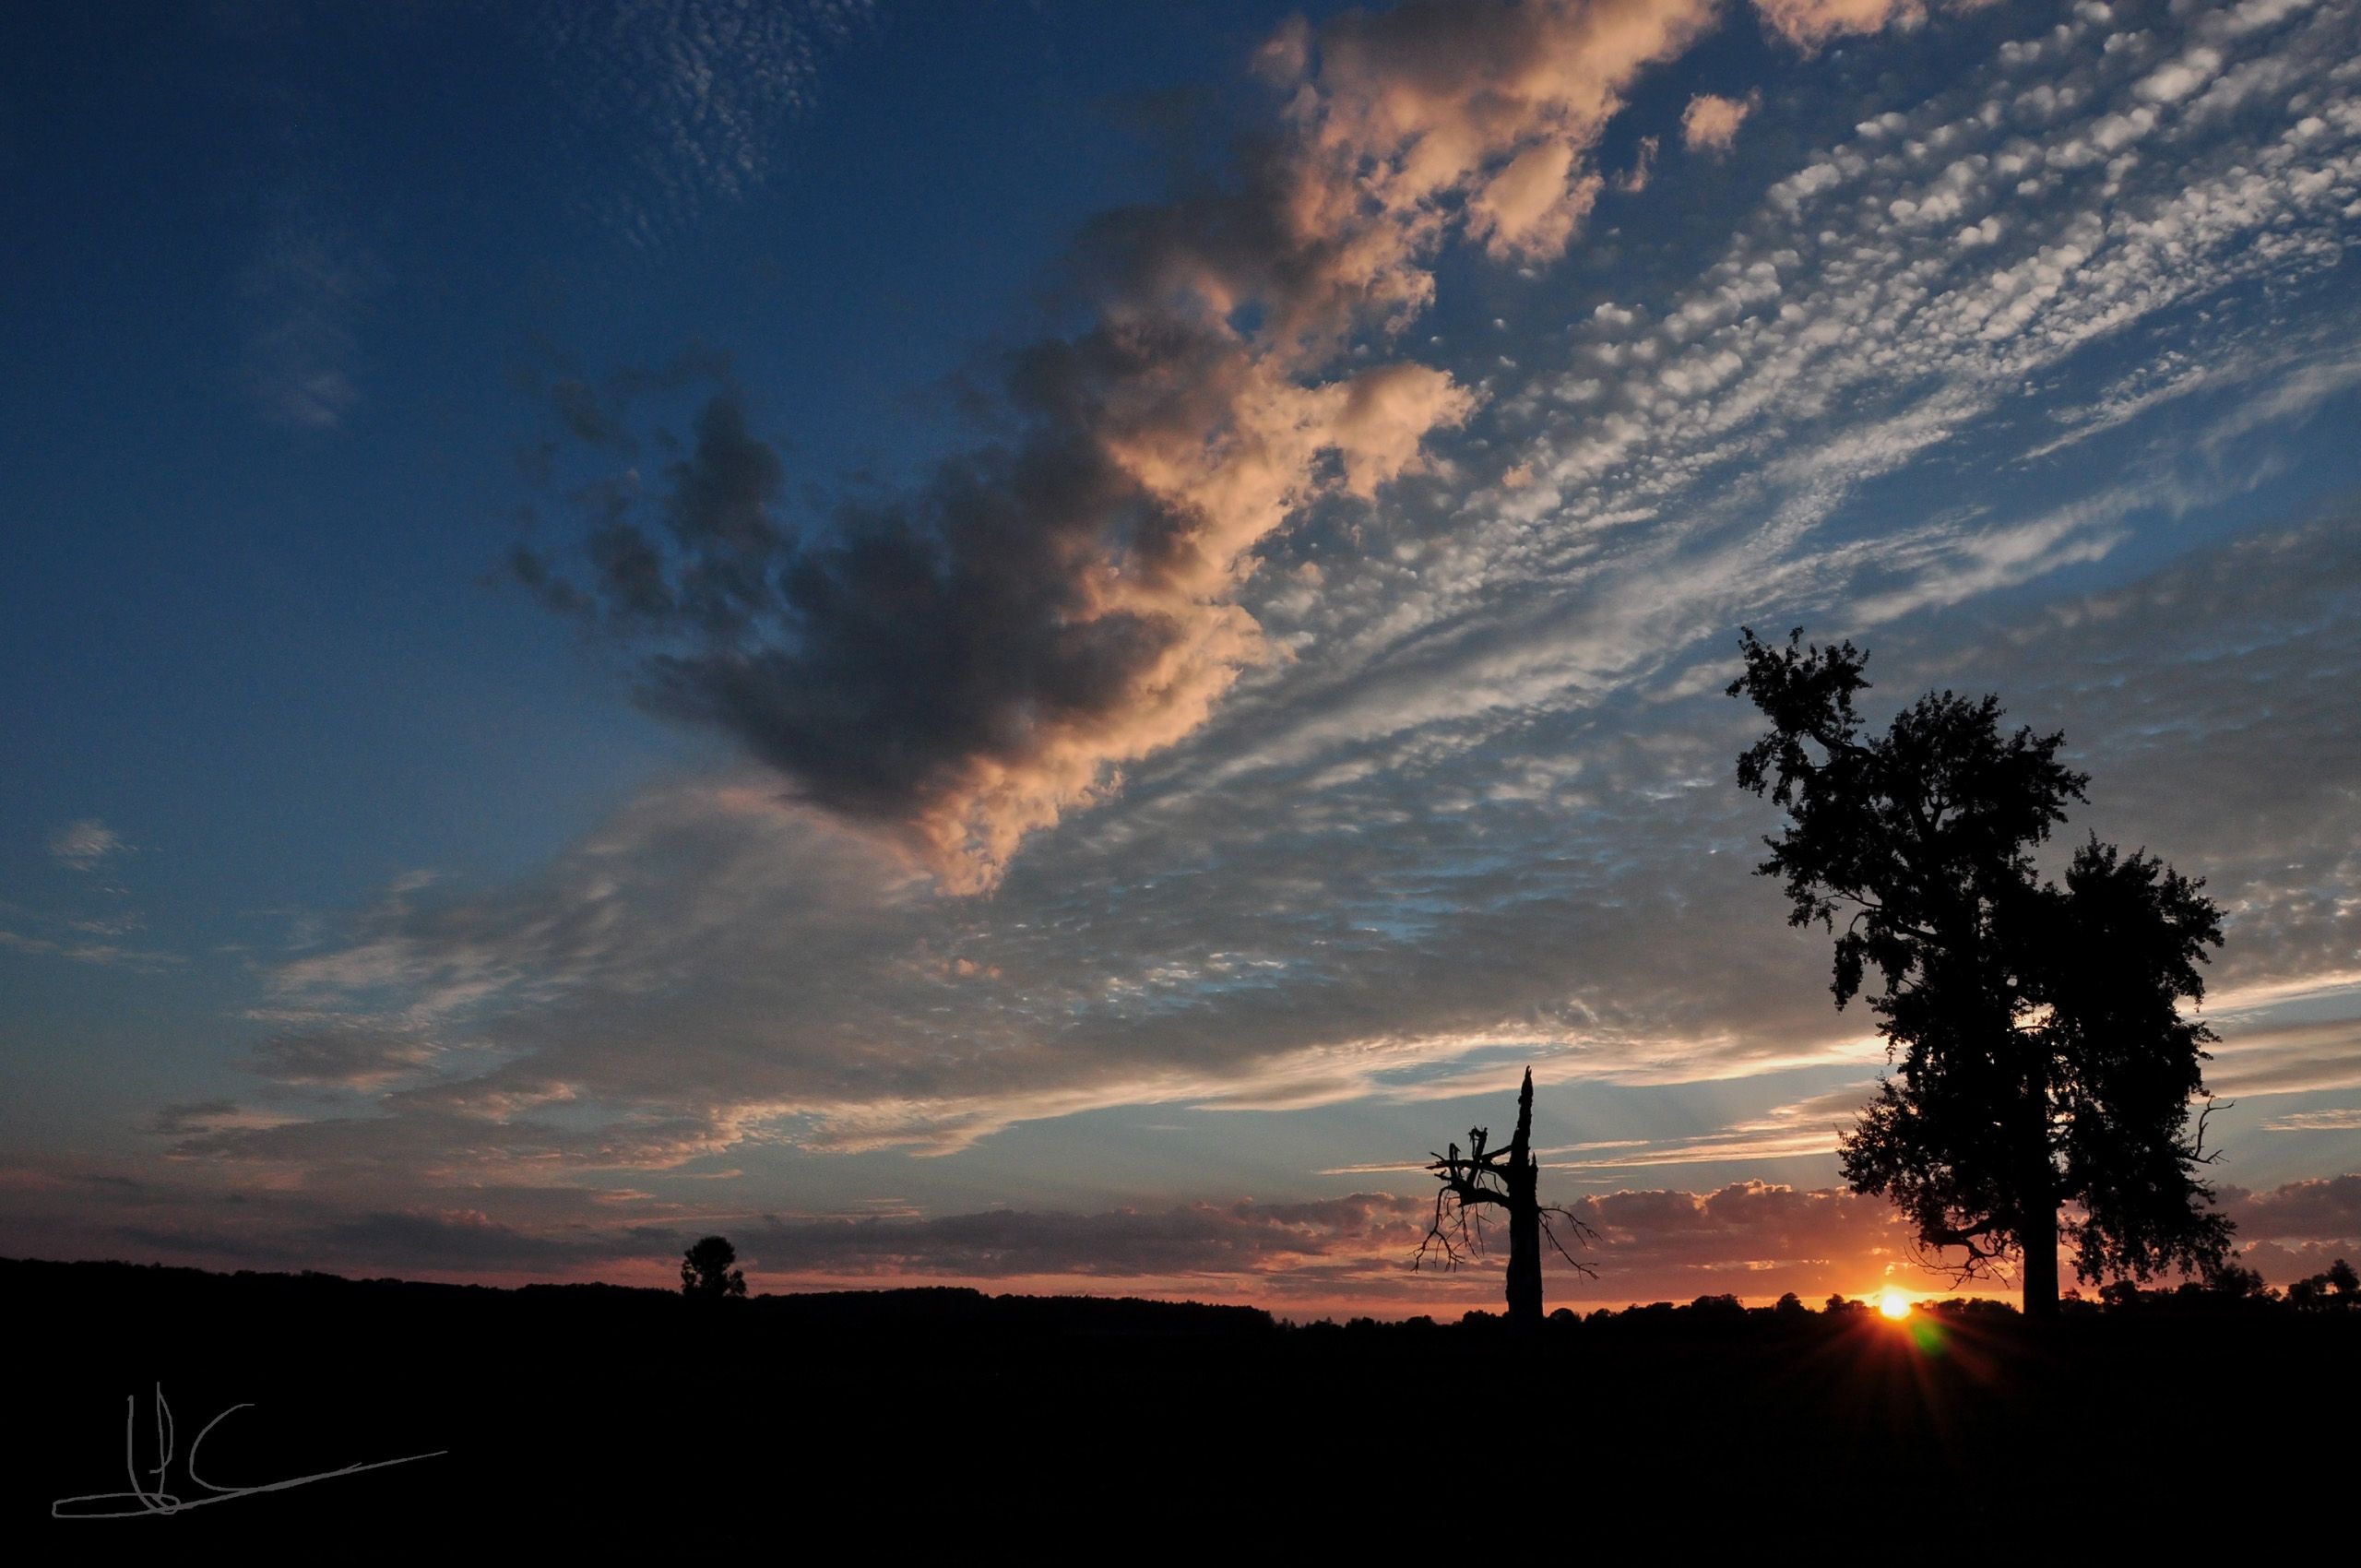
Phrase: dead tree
{"type": "Point", "coordinates": [1509, 1179]}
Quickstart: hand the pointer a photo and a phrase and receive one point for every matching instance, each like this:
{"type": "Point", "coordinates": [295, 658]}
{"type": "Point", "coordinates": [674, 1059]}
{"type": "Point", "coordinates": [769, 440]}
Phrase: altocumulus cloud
{"type": "Point", "coordinates": [695, 94]}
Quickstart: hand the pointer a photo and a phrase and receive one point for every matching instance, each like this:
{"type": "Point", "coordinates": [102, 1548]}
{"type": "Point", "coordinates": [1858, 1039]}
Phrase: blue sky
{"type": "Point", "coordinates": [1198, 547]}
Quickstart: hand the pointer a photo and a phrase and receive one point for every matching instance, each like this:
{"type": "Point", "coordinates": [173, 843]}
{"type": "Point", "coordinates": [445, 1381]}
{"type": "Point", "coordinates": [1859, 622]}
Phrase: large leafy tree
{"type": "Point", "coordinates": [2044, 1074]}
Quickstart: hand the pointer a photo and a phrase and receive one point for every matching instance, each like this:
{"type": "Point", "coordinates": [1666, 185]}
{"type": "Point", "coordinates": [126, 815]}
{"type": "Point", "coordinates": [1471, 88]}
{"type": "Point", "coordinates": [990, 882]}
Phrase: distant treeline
{"type": "Point", "coordinates": [199, 1294]}
{"type": "Point", "coordinates": [2209, 1300]}
{"type": "Point", "coordinates": [618, 1417]}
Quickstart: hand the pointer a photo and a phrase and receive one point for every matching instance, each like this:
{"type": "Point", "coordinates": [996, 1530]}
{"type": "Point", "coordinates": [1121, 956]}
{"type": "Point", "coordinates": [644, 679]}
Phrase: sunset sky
{"type": "Point", "coordinates": [1035, 643]}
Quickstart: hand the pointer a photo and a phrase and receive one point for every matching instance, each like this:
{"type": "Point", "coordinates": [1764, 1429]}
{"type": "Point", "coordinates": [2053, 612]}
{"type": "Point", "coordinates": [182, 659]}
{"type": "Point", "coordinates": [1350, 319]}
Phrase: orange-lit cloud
{"type": "Point", "coordinates": [1711, 122]}
{"type": "Point", "coordinates": [1808, 24]}
{"type": "Point", "coordinates": [1493, 104]}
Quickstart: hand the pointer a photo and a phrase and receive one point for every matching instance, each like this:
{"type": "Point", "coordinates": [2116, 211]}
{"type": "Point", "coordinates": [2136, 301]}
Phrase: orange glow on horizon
{"type": "Point", "coordinates": [1895, 1304]}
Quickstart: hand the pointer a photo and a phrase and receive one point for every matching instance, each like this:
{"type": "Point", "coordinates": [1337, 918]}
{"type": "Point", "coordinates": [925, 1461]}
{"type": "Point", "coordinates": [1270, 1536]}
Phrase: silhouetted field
{"type": "Point", "coordinates": [599, 1415]}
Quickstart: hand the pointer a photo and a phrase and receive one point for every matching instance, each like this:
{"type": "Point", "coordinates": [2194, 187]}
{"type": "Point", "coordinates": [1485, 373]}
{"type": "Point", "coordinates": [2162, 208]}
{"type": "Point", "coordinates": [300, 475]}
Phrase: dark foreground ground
{"type": "Point", "coordinates": [900, 1425]}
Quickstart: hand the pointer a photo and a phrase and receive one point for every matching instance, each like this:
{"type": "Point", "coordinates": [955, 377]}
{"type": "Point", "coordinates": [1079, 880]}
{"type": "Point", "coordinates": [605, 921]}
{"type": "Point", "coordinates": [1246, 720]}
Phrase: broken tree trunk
{"type": "Point", "coordinates": [1507, 1179]}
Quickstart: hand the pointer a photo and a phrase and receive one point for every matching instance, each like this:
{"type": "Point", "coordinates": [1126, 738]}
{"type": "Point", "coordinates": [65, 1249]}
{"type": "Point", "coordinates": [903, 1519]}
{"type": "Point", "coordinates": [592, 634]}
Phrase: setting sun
{"type": "Point", "coordinates": [1895, 1304]}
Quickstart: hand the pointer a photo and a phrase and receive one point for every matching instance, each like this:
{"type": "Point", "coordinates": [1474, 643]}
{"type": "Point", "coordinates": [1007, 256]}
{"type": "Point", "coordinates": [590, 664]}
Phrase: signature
{"type": "Point", "coordinates": [154, 1499]}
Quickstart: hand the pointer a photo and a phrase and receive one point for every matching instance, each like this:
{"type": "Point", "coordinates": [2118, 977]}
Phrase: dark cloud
{"type": "Point", "coordinates": [468, 1240]}
{"type": "Point", "coordinates": [180, 1120]}
{"type": "Point", "coordinates": [184, 1241]}
{"type": "Point", "coordinates": [414, 1243]}
{"type": "Point", "coordinates": [1186, 1239]}
{"type": "Point", "coordinates": [2317, 1210]}
{"type": "Point", "coordinates": [963, 662]}
{"type": "Point", "coordinates": [2281, 1264]}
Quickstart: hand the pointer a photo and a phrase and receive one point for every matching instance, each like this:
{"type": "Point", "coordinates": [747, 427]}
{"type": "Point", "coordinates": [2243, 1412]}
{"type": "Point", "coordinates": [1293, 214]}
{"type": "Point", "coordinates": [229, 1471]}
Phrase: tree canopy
{"type": "Point", "coordinates": [2044, 1074]}
{"type": "Point", "coordinates": [706, 1269]}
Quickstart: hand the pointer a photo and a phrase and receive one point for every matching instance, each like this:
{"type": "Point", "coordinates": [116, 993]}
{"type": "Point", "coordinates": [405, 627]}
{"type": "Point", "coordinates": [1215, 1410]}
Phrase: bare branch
{"type": "Point", "coordinates": [1583, 1234]}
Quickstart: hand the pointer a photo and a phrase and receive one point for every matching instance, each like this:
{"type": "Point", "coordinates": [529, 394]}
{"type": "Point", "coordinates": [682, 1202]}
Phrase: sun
{"type": "Point", "coordinates": [1895, 1304]}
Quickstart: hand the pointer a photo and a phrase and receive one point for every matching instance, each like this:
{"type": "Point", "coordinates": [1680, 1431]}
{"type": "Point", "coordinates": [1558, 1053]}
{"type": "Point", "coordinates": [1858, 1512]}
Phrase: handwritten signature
{"type": "Point", "coordinates": [154, 1499]}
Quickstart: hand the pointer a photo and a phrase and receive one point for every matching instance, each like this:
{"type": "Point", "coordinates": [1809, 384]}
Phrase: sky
{"type": "Point", "coordinates": [1034, 645]}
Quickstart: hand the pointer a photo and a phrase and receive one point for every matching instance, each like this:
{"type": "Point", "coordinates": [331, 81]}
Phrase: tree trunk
{"type": "Point", "coordinates": [2040, 1243]}
{"type": "Point", "coordinates": [2038, 1233]}
{"type": "Point", "coordinates": [1525, 1255]}
{"type": "Point", "coordinates": [1524, 1181]}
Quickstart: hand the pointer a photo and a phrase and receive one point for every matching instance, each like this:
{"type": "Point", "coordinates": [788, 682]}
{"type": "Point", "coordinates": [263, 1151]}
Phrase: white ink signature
{"type": "Point", "coordinates": [154, 1499]}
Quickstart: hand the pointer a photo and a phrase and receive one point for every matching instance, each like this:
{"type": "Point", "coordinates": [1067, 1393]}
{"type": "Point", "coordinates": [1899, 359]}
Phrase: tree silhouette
{"type": "Point", "coordinates": [706, 1269]}
{"type": "Point", "coordinates": [1508, 1179]}
{"type": "Point", "coordinates": [2045, 1072]}
{"type": "Point", "coordinates": [2336, 1287]}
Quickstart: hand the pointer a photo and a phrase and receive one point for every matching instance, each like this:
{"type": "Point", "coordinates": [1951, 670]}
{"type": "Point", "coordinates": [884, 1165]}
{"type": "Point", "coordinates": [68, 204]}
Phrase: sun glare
{"type": "Point", "coordinates": [1895, 1304]}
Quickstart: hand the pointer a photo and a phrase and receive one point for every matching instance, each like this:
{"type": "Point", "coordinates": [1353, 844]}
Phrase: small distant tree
{"type": "Point", "coordinates": [2044, 1075]}
{"type": "Point", "coordinates": [706, 1269]}
{"type": "Point", "coordinates": [1510, 1180]}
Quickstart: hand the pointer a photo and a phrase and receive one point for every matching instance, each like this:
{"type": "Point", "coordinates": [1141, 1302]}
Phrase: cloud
{"type": "Point", "coordinates": [303, 293]}
{"type": "Point", "coordinates": [2323, 1209]}
{"type": "Point", "coordinates": [1711, 122]}
{"type": "Point", "coordinates": [695, 94]}
{"type": "Point", "coordinates": [109, 954]}
{"type": "Point", "coordinates": [965, 664]}
{"type": "Point", "coordinates": [1802, 1129]}
{"type": "Point", "coordinates": [715, 967]}
{"type": "Point", "coordinates": [1899, 299]}
{"type": "Point", "coordinates": [1631, 182]}
{"type": "Point", "coordinates": [341, 1054]}
{"type": "Point", "coordinates": [1238, 1238]}
{"type": "Point", "coordinates": [1808, 24]}
{"type": "Point", "coordinates": [2255, 1060]}
{"type": "Point", "coordinates": [177, 1121]}
{"type": "Point", "coordinates": [82, 845]}
{"type": "Point", "coordinates": [2340, 1119]}
{"type": "Point", "coordinates": [1498, 105]}
{"type": "Point", "coordinates": [2246, 793]}
{"type": "Point", "coordinates": [467, 1240]}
